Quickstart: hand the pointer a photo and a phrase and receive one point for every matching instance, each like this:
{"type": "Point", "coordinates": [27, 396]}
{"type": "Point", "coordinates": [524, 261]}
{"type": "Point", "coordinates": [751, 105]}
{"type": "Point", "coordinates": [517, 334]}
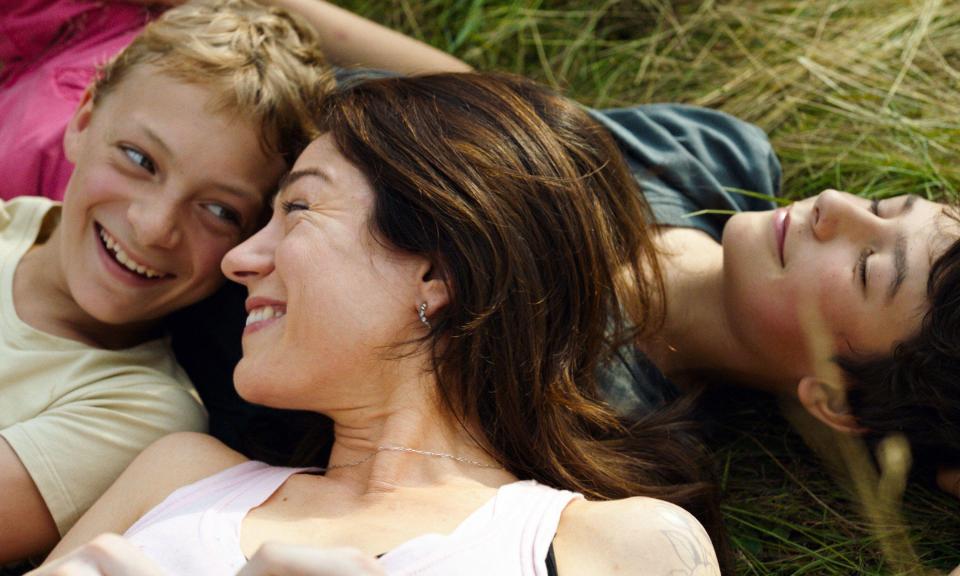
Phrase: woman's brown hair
{"type": "Point", "coordinates": [544, 239]}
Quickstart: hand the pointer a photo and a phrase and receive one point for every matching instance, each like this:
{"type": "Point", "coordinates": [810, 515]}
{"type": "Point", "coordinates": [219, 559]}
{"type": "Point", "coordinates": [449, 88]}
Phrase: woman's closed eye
{"type": "Point", "coordinates": [289, 206]}
{"type": "Point", "coordinates": [139, 158]}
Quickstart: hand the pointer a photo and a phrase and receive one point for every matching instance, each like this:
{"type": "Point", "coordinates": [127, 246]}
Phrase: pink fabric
{"type": "Point", "coordinates": [50, 50]}
{"type": "Point", "coordinates": [196, 530]}
{"type": "Point", "coordinates": [508, 536]}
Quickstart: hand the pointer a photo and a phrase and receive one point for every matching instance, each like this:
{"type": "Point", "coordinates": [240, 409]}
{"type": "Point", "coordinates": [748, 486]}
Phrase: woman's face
{"type": "Point", "coordinates": [864, 263]}
{"type": "Point", "coordinates": [163, 186]}
{"type": "Point", "coordinates": [327, 302]}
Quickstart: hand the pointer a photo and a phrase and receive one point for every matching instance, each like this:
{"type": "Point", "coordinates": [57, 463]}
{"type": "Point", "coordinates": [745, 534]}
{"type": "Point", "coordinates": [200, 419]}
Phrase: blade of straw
{"type": "Point", "coordinates": [879, 492]}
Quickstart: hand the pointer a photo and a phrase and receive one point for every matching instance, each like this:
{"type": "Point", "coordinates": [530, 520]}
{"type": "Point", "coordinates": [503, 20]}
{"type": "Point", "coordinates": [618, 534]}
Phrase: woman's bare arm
{"type": "Point", "coordinates": [167, 464]}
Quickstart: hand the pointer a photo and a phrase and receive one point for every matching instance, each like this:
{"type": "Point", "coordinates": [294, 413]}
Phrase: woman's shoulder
{"type": "Point", "coordinates": [169, 463]}
{"type": "Point", "coordinates": [632, 536]}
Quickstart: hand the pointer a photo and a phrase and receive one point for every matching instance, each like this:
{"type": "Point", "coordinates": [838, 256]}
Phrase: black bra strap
{"type": "Point", "coordinates": [551, 562]}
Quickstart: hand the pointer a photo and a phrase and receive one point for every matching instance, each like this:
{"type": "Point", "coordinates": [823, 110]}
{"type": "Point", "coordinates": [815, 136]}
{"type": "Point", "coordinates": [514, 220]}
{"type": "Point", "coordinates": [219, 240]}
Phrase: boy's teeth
{"type": "Point", "coordinates": [264, 313]}
{"type": "Point", "coordinates": [122, 257]}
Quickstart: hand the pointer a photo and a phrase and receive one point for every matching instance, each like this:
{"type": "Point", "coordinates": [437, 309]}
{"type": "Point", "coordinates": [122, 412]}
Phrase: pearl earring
{"type": "Point", "coordinates": [422, 313]}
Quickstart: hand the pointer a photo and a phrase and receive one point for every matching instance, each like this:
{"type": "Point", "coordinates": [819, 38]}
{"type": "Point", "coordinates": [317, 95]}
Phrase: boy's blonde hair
{"type": "Point", "coordinates": [263, 63]}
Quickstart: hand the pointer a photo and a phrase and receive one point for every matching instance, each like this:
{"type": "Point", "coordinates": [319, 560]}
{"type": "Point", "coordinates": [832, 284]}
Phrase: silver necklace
{"type": "Point", "coordinates": [379, 449]}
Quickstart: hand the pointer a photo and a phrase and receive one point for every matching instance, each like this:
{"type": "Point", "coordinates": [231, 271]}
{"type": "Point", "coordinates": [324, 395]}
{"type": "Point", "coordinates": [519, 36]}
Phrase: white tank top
{"type": "Point", "coordinates": [196, 530]}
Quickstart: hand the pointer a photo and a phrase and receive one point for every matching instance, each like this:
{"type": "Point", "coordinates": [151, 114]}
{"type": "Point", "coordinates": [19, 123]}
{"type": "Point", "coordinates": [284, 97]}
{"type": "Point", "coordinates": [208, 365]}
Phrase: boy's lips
{"type": "Point", "coordinates": [121, 262]}
{"type": "Point", "coordinates": [781, 223]}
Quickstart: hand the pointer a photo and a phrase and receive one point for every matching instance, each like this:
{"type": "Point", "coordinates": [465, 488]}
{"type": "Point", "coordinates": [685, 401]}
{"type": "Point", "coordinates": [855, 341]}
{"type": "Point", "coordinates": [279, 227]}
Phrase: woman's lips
{"type": "Point", "coordinates": [781, 222]}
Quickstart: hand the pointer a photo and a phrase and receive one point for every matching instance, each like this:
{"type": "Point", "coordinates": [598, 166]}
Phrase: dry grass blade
{"type": "Point", "coordinates": [879, 492]}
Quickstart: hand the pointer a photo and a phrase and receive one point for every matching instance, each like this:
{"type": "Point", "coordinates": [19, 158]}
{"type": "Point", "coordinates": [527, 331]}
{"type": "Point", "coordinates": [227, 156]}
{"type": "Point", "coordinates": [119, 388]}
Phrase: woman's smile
{"type": "Point", "coordinates": [262, 312]}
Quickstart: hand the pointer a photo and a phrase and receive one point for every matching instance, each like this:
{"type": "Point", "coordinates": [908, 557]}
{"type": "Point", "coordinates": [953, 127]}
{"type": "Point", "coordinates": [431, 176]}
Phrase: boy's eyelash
{"type": "Point", "coordinates": [862, 265]}
{"type": "Point", "coordinates": [862, 262]}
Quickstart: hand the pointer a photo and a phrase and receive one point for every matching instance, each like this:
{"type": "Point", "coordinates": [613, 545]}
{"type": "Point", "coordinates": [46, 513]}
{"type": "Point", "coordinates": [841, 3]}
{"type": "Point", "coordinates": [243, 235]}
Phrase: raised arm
{"type": "Point", "coordinates": [351, 40]}
{"type": "Point", "coordinates": [22, 506]}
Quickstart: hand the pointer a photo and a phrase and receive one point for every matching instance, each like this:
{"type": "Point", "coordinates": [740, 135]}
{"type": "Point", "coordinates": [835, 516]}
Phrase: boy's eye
{"type": "Point", "coordinates": [224, 213]}
{"type": "Point", "coordinates": [139, 158]}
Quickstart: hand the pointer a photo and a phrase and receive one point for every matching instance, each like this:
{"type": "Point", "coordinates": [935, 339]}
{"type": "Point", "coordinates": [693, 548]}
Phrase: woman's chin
{"type": "Point", "coordinates": [251, 387]}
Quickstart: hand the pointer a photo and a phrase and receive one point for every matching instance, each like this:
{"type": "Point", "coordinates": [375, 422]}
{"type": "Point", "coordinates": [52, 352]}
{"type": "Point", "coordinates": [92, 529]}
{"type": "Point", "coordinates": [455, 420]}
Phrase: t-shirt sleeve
{"type": "Point", "coordinates": [688, 159]}
{"type": "Point", "coordinates": [76, 449]}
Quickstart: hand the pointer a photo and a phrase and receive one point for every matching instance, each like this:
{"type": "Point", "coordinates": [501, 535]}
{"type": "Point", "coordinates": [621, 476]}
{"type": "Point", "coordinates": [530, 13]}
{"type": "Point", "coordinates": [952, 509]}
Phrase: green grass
{"type": "Point", "coordinates": [862, 95]}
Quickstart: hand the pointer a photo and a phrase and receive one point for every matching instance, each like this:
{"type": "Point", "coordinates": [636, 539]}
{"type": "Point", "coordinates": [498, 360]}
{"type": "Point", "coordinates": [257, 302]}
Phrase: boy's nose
{"type": "Point", "coordinates": [835, 213]}
{"type": "Point", "coordinates": [154, 223]}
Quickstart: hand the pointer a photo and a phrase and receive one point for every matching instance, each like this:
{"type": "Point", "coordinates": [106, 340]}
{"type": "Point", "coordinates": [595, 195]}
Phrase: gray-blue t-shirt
{"type": "Point", "coordinates": [686, 159]}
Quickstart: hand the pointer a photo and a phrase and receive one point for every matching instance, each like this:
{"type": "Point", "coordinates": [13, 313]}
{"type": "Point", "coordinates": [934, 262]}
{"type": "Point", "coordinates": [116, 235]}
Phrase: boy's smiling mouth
{"type": "Point", "coordinates": [119, 256]}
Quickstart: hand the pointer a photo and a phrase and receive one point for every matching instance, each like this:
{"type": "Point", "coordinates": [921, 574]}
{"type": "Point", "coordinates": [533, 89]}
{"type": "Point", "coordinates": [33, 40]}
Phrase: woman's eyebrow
{"type": "Point", "coordinates": [290, 177]}
{"type": "Point", "coordinates": [293, 176]}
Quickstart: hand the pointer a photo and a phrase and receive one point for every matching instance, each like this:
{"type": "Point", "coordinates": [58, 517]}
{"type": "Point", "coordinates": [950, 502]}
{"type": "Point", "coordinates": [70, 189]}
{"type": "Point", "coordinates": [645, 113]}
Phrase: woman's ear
{"type": "Point", "coordinates": [827, 402]}
{"type": "Point", "coordinates": [72, 136]}
{"type": "Point", "coordinates": [434, 287]}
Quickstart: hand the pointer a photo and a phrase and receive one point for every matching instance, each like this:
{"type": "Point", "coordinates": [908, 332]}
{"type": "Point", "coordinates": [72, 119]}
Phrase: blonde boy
{"type": "Point", "coordinates": [176, 147]}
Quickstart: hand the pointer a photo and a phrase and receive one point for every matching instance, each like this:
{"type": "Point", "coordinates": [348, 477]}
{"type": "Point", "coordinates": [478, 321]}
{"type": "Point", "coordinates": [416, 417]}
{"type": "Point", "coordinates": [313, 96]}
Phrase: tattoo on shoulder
{"type": "Point", "coordinates": [690, 543]}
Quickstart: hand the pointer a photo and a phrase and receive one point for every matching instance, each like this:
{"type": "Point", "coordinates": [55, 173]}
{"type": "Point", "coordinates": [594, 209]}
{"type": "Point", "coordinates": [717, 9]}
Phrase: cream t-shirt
{"type": "Point", "coordinates": [77, 415]}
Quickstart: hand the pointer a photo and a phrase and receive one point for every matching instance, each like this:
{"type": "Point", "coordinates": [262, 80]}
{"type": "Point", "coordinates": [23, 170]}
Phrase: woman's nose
{"type": "Point", "coordinates": [252, 258]}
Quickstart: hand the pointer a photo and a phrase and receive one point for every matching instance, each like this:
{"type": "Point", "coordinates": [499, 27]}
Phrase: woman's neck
{"type": "Point", "coordinates": [404, 439]}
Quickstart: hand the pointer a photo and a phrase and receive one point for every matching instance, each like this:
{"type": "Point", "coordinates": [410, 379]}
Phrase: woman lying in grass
{"type": "Point", "coordinates": [444, 270]}
{"type": "Point", "coordinates": [177, 146]}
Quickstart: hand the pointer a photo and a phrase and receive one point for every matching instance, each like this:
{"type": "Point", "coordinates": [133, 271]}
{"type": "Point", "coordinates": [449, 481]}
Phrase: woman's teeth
{"type": "Point", "coordinates": [265, 313]}
{"type": "Point", "coordinates": [121, 257]}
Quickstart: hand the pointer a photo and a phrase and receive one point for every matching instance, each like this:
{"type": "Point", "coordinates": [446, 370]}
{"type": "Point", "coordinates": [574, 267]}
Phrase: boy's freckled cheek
{"type": "Point", "coordinates": [99, 184]}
